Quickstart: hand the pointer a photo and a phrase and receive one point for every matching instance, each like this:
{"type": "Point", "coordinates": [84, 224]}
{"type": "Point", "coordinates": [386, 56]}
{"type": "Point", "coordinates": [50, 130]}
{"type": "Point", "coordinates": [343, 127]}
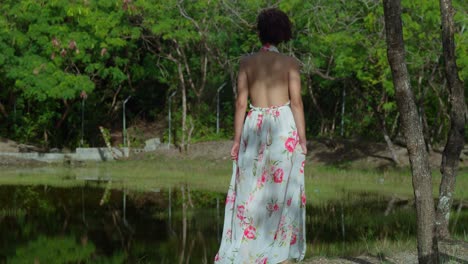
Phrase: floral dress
{"type": "Point", "coordinates": [264, 219]}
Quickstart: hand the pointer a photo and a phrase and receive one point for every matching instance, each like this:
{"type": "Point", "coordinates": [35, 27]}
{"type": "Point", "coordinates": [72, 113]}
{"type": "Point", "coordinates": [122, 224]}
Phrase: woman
{"type": "Point", "coordinates": [265, 206]}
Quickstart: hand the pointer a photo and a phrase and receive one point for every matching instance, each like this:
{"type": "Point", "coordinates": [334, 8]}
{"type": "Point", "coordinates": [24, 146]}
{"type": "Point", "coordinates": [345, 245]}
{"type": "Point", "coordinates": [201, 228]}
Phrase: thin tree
{"type": "Point", "coordinates": [455, 140]}
{"type": "Point", "coordinates": [412, 130]}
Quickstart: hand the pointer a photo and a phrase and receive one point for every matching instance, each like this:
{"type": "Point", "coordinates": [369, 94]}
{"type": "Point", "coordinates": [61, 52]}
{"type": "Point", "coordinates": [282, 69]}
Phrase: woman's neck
{"type": "Point", "coordinates": [269, 47]}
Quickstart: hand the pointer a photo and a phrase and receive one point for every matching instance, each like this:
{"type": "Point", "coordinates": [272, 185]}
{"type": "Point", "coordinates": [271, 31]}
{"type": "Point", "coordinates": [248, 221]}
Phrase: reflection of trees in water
{"type": "Point", "coordinates": [184, 226]}
{"type": "Point", "coordinates": [53, 250]}
{"type": "Point", "coordinates": [63, 249]}
{"type": "Point", "coordinates": [30, 197]}
{"type": "Point", "coordinates": [127, 225]}
{"type": "Point", "coordinates": [181, 225]}
{"type": "Point", "coordinates": [67, 212]}
{"type": "Point", "coordinates": [199, 235]}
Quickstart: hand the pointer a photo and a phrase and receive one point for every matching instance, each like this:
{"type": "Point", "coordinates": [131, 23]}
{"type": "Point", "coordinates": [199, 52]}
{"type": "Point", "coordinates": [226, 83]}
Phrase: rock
{"type": "Point", "coordinates": [54, 150]}
{"type": "Point", "coordinates": [152, 144]}
{"type": "Point", "coordinates": [28, 148]}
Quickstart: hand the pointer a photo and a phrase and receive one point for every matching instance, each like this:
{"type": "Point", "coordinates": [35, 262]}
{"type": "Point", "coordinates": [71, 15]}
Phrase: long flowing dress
{"type": "Point", "coordinates": [264, 220]}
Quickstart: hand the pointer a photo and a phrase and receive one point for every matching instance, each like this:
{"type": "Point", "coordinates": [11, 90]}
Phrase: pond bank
{"type": "Point", "coordinates": [453, 252]}
{"type": "Point", "coordinates": [332, 152]}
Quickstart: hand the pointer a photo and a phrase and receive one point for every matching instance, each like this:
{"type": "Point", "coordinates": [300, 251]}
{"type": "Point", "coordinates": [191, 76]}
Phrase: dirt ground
{"type": "Point", "coordinates": [351, 153]}
{"type": "Point", "coordinates": [7, 145]}
{"type": "Point", "coordinates": [450, 252]}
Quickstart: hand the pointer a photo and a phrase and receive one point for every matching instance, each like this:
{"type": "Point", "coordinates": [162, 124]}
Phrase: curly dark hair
{"type": "Point", "coordinates": [273, 26]}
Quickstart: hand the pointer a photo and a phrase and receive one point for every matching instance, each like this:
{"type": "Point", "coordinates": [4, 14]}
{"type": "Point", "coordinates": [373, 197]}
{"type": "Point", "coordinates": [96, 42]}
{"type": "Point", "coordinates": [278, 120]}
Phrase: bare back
{"type": "Point", "coordinates": [268, 77]}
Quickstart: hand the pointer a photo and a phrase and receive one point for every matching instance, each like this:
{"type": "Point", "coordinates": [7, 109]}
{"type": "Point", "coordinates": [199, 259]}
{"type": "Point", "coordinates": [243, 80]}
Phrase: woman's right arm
{"type": "Point", "coordinates": [297, 105]}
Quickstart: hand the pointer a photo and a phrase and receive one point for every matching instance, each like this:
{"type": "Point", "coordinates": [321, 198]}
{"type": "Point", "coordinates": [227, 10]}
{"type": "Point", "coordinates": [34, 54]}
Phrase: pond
{"type": "Point", "coordinates": [94, 223]}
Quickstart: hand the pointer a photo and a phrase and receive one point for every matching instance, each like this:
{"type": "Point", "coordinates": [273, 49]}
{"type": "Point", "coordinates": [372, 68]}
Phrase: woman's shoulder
{"type": "Point", "coordinates": [254, 58]}
{"type": "Point", "coordinates": [294, 61]}
{"type": "Point", "coordinates": [244, 58]}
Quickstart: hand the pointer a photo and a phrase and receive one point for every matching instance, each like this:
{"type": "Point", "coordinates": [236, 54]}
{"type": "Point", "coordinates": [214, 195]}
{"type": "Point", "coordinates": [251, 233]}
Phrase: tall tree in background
{"type": "Point", "coordinates": [455, 140]}
{"type": "Point", "coordinates": [412, 130]}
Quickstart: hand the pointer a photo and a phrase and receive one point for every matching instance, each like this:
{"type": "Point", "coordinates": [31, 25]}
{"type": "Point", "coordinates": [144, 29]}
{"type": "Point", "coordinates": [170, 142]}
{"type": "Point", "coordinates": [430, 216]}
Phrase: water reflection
{"type": "Point", "coordinates": [156, 227]}
{"type": "Point", "coordinates": [39, 224]}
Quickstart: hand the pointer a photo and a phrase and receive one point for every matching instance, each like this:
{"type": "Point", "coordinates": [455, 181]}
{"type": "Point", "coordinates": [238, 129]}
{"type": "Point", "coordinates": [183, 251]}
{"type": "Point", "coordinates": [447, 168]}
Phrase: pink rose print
{"type": "Point", "coordinates": [282, 222]}
{"type": "Point", "coordinates": [295, 135]}
{"type": "Point", "coordinates": [229, 233]}
{"type": "Point", "coordinates": [261, 181]}
{"type": "Point", "coordinates": [288, 202]}
{"type": "Point", "coordinates": [293, 239]}
{"type": "Point", "coordinates": [251, 197]}
{"type": "Point", "coordinates": [231, 198]}
{"type": "Point", "coordinates": [302, 166]}
{"type": "Point", "coordinates": [260, 152]}
{"type": "Point", "coordinates": [240, 212]}
{"type": "Point", "coordinates": [303, 198]}
{"type": "Point", "coordinates": [276, 113]}
{"type": "Point", "coordinates": [261, 261]}
{"type": "Point", "coordinates": [290, 144]}
{"type": "Point", "coordinates": [259, 121]}
{"type": "Point", "coordinates": [278, 175]}
{"type": "Point", "coordinates": [217, 257]}
{"type": "Point", "coordinates": [249, 232]}
{"type": "Point", "coordinates": [249, 113]}
{"type": "Point", "coordinates": [275, 207]}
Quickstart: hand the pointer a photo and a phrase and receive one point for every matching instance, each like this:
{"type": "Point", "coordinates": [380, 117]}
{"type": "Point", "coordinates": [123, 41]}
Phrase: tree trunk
{"type": "Point", "coordinates": [315, 104]}
{"type": "Point", "coordinates": [412, 129]}
{"type": "Point", "coordinates": [442, 113]}
{"type": "Point", "coordinates": [314, 99]}
{"type": "Point", "coordinates": [455, 140]}
{"type": "Point", "coordinates": [184, 105]}
{"type": "Point", "coordinates": [390, 146]}
{"type": "Point", "coordinates": [233, 83]}
{"type": "Point", "coordinates": [64, 115]}
{"type": "Point", "coordinates": [382, 124]}
{"type": "Point", "coordinates": [3, 111]}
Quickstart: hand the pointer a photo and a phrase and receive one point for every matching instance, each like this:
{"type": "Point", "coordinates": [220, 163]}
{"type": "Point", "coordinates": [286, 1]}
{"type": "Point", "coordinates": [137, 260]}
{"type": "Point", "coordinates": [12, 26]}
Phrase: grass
{"type": "Point", "coordinates": [381, 247]}
{"type": "Point", "coordinates": [323, 183]}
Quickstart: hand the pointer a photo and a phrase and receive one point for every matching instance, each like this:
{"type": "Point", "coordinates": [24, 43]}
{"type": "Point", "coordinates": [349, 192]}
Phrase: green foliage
{"type": "Point", "coordinates": [58, 50]}
{"type": "Point", "coordinates": [54, 52]}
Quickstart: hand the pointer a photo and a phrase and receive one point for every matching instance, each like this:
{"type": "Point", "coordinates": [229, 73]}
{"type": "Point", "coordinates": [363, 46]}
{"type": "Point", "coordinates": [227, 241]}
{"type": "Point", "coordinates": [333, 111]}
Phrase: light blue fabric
{"type": "Point", "coordinates": [264, 219]}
